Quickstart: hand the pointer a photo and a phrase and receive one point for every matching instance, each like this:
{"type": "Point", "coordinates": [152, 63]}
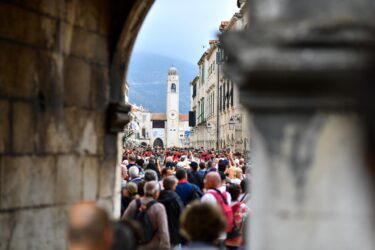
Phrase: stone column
{"type": "Point", "coordinates": [303, 68]}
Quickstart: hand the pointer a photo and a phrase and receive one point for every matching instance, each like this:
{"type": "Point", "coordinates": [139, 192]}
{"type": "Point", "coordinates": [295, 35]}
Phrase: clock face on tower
{"type": "Point", "coordinates": [172, 114]}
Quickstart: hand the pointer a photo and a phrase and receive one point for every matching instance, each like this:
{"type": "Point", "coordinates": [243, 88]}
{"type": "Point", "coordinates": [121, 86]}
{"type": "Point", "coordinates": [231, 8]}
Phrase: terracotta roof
{"type": "Point", "coordinates": [184, 117]}
{"type": "Point", "coordinates": [158, 117]}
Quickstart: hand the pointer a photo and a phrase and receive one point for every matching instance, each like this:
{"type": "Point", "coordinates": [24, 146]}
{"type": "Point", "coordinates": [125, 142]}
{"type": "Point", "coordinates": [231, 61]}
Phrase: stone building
{"type": "Point", "coordinates": [213, 94]}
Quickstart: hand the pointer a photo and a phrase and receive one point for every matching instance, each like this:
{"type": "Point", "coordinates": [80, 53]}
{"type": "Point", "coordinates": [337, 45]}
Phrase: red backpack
{"type": "Point", "coordinates": [221, 199]}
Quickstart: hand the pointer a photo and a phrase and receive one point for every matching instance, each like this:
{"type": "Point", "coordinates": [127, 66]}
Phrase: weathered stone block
{"type": "Point", "coordinates": [69, 178]}
{"type": "Point", "coordinates": [86, 14]}
{"type": "Point", "coordinates": [18, 78]}
{"type": "Point", "coordinates": [27, 181]}
{"type": "Point", "coordinates": [36, 229]}
{"type": "Point", "coordinates": [23, 139]}
{"type": "Point", "coordinates": [107, 175]}
{"type": "Point", "coordinates": [85, 44]}
{"type": "Point", "coordinates": [100, 88]}
{"type": "Point", "coordinates": [27, 27]}
{"type": "Point", "coordinates": [100, 132]}
{"type": "Point", "coordinates": [54, 8]}
{"type": "Point", "coordinates": [4, 126]}
{"type": "Point", "coordinates": [57, 138]}
{"type": "Point", "coordinates": [103, 22]}
{"type": "Point", "coordinates": [82, 127]}
{"type": "Point", "coordinates": [77, 83]}
{"type": "Point", "coordinates": [90, 178]}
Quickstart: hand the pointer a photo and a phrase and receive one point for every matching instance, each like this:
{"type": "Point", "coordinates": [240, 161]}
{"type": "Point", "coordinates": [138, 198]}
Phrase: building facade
{"type": "Point", "coordinates": [220, 118]}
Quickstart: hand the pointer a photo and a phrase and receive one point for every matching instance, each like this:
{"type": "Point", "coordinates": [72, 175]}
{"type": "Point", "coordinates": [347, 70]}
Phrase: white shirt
{"type": "Point", "coordinates": [210, 198]}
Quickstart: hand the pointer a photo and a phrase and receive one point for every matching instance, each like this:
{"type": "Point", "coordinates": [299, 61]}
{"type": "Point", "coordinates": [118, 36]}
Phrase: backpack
{"type": "Point", "coordinates": [225, 207]}
{"type": "Point", "coordinates": [143, 218]}
{"type": "Point", "coordinates": [236, 231]}
{"type": "Point", "coordinates": [195, 193]}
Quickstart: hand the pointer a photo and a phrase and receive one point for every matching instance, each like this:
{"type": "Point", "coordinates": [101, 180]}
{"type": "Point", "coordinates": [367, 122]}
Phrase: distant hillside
{"type": "Point", "coordinates": [147, 77]}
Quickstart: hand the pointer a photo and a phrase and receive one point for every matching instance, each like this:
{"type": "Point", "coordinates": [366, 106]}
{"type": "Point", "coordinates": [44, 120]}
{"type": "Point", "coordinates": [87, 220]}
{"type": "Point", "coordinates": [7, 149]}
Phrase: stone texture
{"type": "Point", "coordinates": [82, 127]}
{"type": "Point", "coordinates": [100, 91]}
{"type": "Point", "coordinates": [23, 136]}
{"type": "Point", "coordinates": [15, 75]}
{"type": "Point", "coordinates": [4, 126]}
{"type": "Point", "coordinates": [86, 14]}
{"type": "Point", "coordinates": [69, 179]}
{"type": "Point", "coordinates": [56, 8]}
{"type": "Point", "coordinates": [107, 175]}
{"type": "Point", "coordinates": [56, 135]}
{"type": "Point", "coordinates": [30, 28]}
{"type": "Point", "coordinates": [47, 225]}
{"type": "Point", "coordinates": [90, 178]}
{"type": "Point", "coordinates": [54, 91]}
{"type": "Point", "coordinates": [24, 181]}
{"type": "Point", "coordinates": [84, 44]}
{"type": "Point", "coordinates": [77, 83]}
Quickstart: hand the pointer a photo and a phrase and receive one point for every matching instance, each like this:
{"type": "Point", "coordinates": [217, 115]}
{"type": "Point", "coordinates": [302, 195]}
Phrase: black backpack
{"type": "Point", "coordinates": [143, 218]}
{"type": "Point", "coordinates": [195, 194]}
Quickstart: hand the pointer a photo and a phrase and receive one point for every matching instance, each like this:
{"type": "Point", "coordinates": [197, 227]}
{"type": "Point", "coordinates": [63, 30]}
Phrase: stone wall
{"type": "Point", "coordinates": [54, 90]}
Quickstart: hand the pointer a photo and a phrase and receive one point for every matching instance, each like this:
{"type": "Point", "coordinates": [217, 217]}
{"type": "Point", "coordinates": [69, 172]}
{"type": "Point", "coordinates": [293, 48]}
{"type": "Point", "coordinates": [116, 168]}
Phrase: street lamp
{"type": "Point", "coordinates": [231, 123]}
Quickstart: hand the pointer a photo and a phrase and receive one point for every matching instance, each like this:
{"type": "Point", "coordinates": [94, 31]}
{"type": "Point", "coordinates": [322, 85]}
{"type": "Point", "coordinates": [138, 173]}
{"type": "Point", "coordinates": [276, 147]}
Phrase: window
{"type": "Point", "coordinates": [158, 124]}
{"type": "Point", "coordinates": [173, 88]}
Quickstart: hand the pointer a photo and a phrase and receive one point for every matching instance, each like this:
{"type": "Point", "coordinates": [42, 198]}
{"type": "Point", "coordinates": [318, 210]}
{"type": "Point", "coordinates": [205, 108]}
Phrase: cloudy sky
{"type": "Point", "coordinates": [180, 29]}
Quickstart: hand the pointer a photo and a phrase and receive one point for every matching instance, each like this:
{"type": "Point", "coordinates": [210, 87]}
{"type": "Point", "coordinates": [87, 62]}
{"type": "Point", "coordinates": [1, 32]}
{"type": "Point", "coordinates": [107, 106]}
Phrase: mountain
{"type": "Point", "coordinates": [147, 76]}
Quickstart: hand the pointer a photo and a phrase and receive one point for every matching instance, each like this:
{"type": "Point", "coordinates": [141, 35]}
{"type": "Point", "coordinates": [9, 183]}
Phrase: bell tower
{"type": "Point", "coordinates": [172, 129]}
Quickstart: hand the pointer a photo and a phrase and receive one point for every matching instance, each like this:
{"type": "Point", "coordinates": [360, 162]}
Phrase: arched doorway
{"type": "Point", "coordinates": [158, 143]}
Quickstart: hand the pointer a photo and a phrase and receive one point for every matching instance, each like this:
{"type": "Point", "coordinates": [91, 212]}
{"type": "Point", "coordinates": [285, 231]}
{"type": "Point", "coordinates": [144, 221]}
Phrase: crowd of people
{"type": "Point", "coordinates": [181, 199]}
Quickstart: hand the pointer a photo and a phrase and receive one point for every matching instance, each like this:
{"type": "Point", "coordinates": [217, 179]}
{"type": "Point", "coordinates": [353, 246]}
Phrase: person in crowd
{"type": "Point", "coordinates": [153, 166]}
{"type": "Point", "coordinates": [237, 176]}
{"type": "Point", "coordinates": [165, 172]}
{"type": "Point", "coordinates": [169, 162]}
{"type": "Point", "coordinates": [202, 224]}
{"type": "Point", "coordinates": [141, 186]}
{"type": "Point", "coordinates": [155, 227]}
{"type": "Point", "coordinates": [193, 175]}
{"type": "Point", "coordinates": [181, 163]}
{"type": "Point", "coordinates": [174, 207]}
{"type": "Point", "coordinates": [124, 173]}
{"type": "Point", "coordinates": [127, 195]}
{"type": "Point", "coordinates": [240, 213]}
{"type": "Point", "coordinates": [223, 186]}
{"type": "Point", "coordinates": [134, 175]}
{"type": "Point", "coordinates": [213, 184]}
{"type": "Point", "coordinates": [150, 175]}
{"type": "Point", "coordinates": [126, 235]}
{"type": "Point", "coordinates": [187, 191]}
{"type": "Point", "coordinates": [245, 191]}
{"type": "Point", "coordinates": [140, 162]}
{"type": "Point", "coordinates": [215, 195]}
{"type": "Point", "coordinates": [202, 169]}
{"type": "Point", "coordinates": [89, 228]}
{"type": "Point", "coordinates": [132, 162]}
